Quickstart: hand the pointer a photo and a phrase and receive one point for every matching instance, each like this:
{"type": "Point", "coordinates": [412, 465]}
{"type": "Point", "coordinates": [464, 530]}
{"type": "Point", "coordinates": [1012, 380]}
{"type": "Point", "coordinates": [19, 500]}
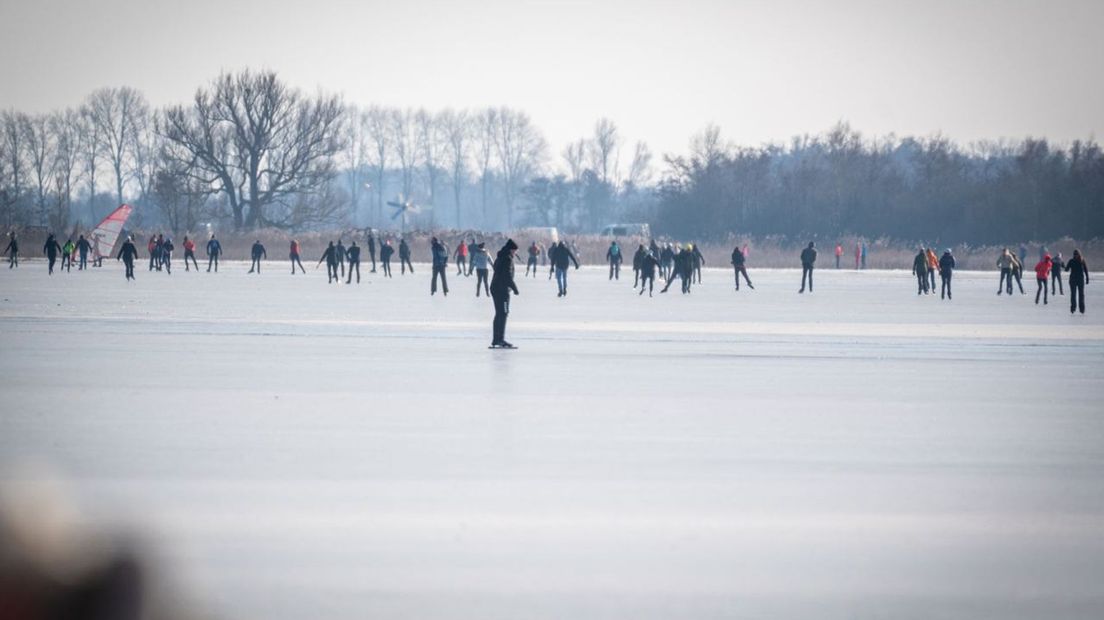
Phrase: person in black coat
{"type": "Point", "coordinates": [372, 249]}
{"type": "Point", "coordinates": [385, 257]}
{"type": "Point", "coordinates": [739, 265]}
{"type": "Point", "coordinates": [12, 251]}
{"type": "Point", "coordinates": [440, 255]}
{"type": "Point", "coordinates": [561, 256]}
{"type": "Point", "coordinates": [330, 256]}
{"type": "Point", "coordinates": [257, 253]}
{"type": "Point", "coordinates": [1078, 279]}
{"type": "Point", "coordinates": [502, 283]}
{"type": "Point", "coordinates": [808, 259]}
{"type": "Point", "coordinates": [51, 249]}
{"type": "Point", "coordinates": [127, 254]}
{"type": "Point", "coordinates": [946, 271]}
{"type": "Point", "coordinates": [638, 256]}
{"type": "Point", "coordinates": [214, 250]}
{"type": "Point", "coordinates": [83, 248]}
{"type": "Point", "coordinates": [1056, 275]}
{"type": "Point", "coordinates": [648, 265]}
{"type": "Point", "coordinates": [352, 254]}
{"type": "Point", "coordinates": [404, 257]}
{"type": "Point", "coordinates": [699, 260]}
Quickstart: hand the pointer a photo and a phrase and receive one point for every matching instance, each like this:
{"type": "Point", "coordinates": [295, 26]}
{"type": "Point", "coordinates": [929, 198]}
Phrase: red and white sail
{"type": "Point", "coordinates": [106, 234]}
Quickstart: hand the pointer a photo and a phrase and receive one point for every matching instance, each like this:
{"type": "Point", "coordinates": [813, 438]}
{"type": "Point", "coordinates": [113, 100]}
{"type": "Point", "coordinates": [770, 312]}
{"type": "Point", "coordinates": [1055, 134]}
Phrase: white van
{"type": "Point", "coordinates": [627, 230]}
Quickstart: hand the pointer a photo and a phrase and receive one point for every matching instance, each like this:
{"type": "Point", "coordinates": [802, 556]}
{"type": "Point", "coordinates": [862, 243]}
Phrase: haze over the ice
{"type": "Point", "coordinates": [764, 72]}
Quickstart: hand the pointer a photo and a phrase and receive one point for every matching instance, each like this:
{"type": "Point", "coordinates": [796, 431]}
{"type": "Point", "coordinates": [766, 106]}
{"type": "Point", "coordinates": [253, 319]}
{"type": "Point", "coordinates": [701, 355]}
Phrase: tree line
{"type": "Point", "coordinates": [909, 189]}
{"type": "Point", "coordinates": [249, 151]}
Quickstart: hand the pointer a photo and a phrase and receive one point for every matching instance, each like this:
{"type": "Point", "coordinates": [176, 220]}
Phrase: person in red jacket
{"type": "Point", "coordinates": [294, 256]}
{"type": "Point", "coordinates": [189, 252]}
{"type": "Point", "coordinates": [839, 253]}
{"type": "Point", "coordinates": [1042, 274]}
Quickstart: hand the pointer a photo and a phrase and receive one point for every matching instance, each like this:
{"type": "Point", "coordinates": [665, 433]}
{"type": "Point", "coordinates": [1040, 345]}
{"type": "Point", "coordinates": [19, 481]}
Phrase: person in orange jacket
{"type": "Point", "coordinates": [1042, 275]}
{"type": "Point", "coordinates": [933, 267]}
{"type": "Point", "coordinates": [189, 252]}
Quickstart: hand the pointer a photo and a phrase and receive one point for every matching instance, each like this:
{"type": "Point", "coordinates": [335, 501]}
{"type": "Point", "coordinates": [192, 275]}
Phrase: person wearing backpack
{"type": "Point", "coordinates": [214, 250]}
{"type": "Point", "coordinates": [613, 256]}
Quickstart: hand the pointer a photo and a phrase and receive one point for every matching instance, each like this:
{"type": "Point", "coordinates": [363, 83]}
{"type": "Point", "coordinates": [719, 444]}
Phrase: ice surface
{"type": "Point", "coordinates": [299, 450]}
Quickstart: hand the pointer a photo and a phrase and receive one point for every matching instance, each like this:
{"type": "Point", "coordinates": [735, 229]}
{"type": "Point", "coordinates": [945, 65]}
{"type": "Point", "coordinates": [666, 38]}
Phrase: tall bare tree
{"type": "Point", "coordinates": [521, 149]}
{"type": "Point", "coordinates": [65, 126]}
{"type": "Point", "coordinates": [12, 189]}
{"type": "Point", "coordinates": [640, 170]}
{"type": "Point", "coordinates": [354, 157]}
{"type": "Point", "coordinates": [404, 141]}
{"type": "Point", "coordinates": [602, 151]}
{"type": "Point", "coordinates": [90, 154]}
{"type": "Point", "coordinates": [457, 128]}
{"type": "Point", "coordinates": [486, 131]}
{"type": "Point", "coordinates": [431, 143]}
{"type": "Point", "coordinates": [118, 113]}
{"type": "Point", "coordinates": [39, 142]}
{"type": "Point", "coordinates": [378, 126]}
{"type": "Point", "coordinates": [262, 144]}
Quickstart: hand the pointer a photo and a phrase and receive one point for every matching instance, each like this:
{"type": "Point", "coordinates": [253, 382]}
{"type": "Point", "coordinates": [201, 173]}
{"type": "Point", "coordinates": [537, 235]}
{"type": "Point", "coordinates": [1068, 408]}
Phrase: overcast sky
{"type": "Point", "coordinates": [763, 71]}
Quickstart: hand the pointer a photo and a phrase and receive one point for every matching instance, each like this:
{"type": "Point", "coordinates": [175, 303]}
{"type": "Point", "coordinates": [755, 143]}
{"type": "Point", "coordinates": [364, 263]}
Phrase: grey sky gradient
{"type": "Point", "coordinates": [763, 71]}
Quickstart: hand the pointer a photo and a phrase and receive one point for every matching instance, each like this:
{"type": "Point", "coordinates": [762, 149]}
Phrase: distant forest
{"type": "Point", "coordinates": [250, 152]}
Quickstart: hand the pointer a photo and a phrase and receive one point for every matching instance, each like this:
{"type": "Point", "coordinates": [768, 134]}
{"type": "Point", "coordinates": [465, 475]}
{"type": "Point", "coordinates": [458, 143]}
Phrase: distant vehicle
{"type": "Point", "coordinates": [643, 231]}
{"type": "Point", "coordinates": [546, 234]}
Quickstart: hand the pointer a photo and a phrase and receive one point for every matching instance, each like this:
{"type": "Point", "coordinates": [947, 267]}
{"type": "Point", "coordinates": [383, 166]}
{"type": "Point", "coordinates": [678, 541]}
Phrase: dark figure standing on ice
{"type": "Point", "coordinates": [12, 251]}
{"type": "Point", "coordinates": [257, 252]}
{"type": "Point", "coordinates": [51, 250]}
{"type": "Point", "coordinates": [128, 253]}
{"type": "Point", "coordinates": [808, 259]}
{"type": "Point", "coordinates": [502, 283]}
{"type": "Point", "coordinates": [1078, 280]}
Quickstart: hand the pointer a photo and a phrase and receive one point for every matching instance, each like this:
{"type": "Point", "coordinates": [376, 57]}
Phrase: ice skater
{"type": "Point", "coordinates": [257, 252]}
{"type": "Point", "coordinates": [839, 253]}
{"type": "Point", "coordinates": [739, 265]}
{"type": "Point", "coordinates": [501, 286]}
{"type": "Point", "coordinates": [214, 250]}
{"type": "Point", "coordinates": [372, 249]}
{"type": "Point", "coordinates": [330, 257]}
{"type": "Point", "coordinates": [933, 267]}
{"type": "Point", "coordinates": [638, 256]}
{"type": "Point", "coordinates": [683, 270]}
{"type": "Point", "coordinates": [1056, 268]}
{"type": "Point", "coordinates": [1017, 272]}
{"type": "Point", "coordinates": [294, 257]}
{"type": "Point", "coordinates": [1005, 263]}
{"type": "Point", "coordinates": [666, 261]}
{"type": "Point", "coordinates": [128, 254]}
{"type": "Point", "coordinates": [920, 270]}
{"type": "Point", "coordinates": [404, 257]}
{"type": "Point", "coordinates": [648, 266]}
{"type": "Point", "coordinates": [613, 256]}
{"type": "Point", "coordinates": [352, 254]}
{"type": "Point", "coordinates": [166, 251]}
{"type": "Point", "coordinates": [83, 247]}
{"type": "Point", "coordinates": [440, 255]}
{"type": "Point", "coordinates": [560, 256]}
{"type": "Point", "coordinates": [698, 261]}
{"type": "Point", "coordinates": [531, 263]}
{"type": "Point", "coordinates": [154, 253]}
{"type": "Point", "coordinates": [341, 255]}
{"type": "Point", "coordinates": [480, 260]}
{"type": "Point", "coordinates": [946, 272]}
{"type": "Point", "coordinates": [808, 260]}
{"type": "Point", "coordinates": [1042, 275]}
{"type": "Point", "coordinates": [461, 256]}
{"type": "Point", "coordinates": [51, 249]}
{"type": "Point", "coordinates": [12, 251]}
{"type": "Point", "coordinates": [1078, 279]}
{"type": "Point", "coordinates": [385, 257]}
{"type": "Point", "coordinates": [189, 253]}
{"type": "Point", "coordinates": [67, 251]}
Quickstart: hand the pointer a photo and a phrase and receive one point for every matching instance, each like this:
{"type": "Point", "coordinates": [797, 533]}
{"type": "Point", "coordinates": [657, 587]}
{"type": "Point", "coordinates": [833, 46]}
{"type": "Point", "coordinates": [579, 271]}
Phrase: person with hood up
{"type": "Point", "coordinates": [214, 250]}
{"type": "Point", "coordinates": [1056, 267]}
{"type": "Point", "coordinates": [739, 265]}
{"type": "Point", "coordinates": [946, 272]}
{"type": "Point", "coordinates": [440, 256]}
{"type": "Point", "coordinates": [404, 257]}
{"type": "Point", "coordinates": [480, 261]}
{"type": "Point", "coordinates": [613, 256]}
{"type": "Point", "coordinates": [386, 251]}
{"type": "Point", "coordinates": [330, 256]}
{"type": "Point", "coordinates": [293, 255]}
{"type": "Point", "coordinates": [257, 252]}
{"type": "Point", "coordinates": [12, 251]}
{"type": "Point", "coordinates": [51, 250]}
{"type": "Point", "coordinates": [808, 259]}
{"type": "Point", "coordinates": [128, 253]}
{"type": "Point", "coordinates": [560, 256]}
{"type": "Point", "coordinates": [920, 270]}
{"type": "Point", "coordinates": [501, 285]}
{"type": "Point", "coordinates": [1078, 279]}
{"type": "Point", "coordinates": [1042, 274]}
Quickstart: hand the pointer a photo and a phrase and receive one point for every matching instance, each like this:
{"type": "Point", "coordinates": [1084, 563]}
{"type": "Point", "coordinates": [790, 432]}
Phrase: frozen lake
{"type": "Point", "coordinates": [299, 450]}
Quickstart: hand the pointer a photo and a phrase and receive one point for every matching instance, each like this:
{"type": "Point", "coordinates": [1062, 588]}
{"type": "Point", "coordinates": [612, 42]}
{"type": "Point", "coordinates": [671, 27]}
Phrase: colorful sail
{"type": "Point", "coordinates": [106, 234]}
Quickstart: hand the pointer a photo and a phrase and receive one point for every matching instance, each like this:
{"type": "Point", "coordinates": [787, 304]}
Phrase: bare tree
{"type": "Point", "coordinates": [521, 149]}
{"type": "Point", "coordinates": [640, 170]}
{"type": "Point", "coordinates": [90, 145]}
{"type": "Point", "coordinates": [432, 144]}
{"type": "Point", "coordinates": [706, 147]}
{"type": "Point", "coordinates": [377, 122]}
{"type": "Point", "coordinates": [146, 150]}
{"type": "Point", "coordinates": [65, 126]}
{"type": "Point", "coordinates": [261, 144]}
{"type": "Point", "coordinates": [354, 158]}
{"type": "Point", "coordinates": [40, 155]}
{"type": "Point", "coordinates": [404, 140]}
{"type": "Point", "coordinates": [602, 151]}
{"type": "Point", "coordinates": [486, 132]}
{"type": "Point", "coordinates": [457, 130]}
{"type": "Point", "coordinates": [11, 192]}
{"type": "Point", "coordinates": [118, 114]}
